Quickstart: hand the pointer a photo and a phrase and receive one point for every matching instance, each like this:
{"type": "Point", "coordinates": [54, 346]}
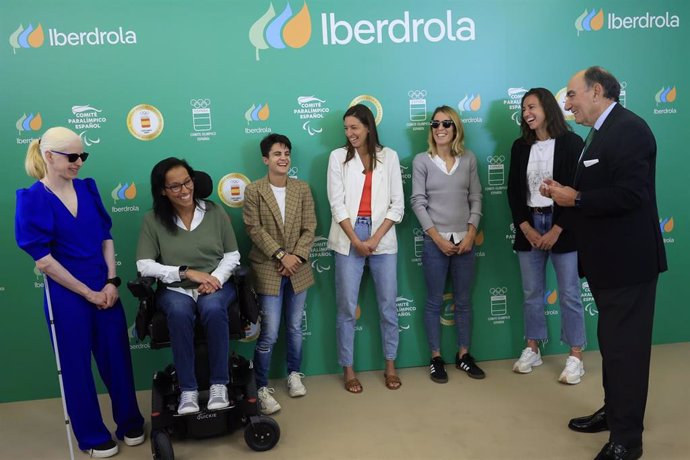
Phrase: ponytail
{"type": "Point", "coordinates": [34, 164]}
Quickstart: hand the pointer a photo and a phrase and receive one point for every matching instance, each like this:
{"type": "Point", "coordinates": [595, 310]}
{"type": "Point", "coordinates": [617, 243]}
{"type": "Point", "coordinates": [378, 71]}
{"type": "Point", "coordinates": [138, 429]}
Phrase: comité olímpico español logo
{"type": "Point", "coordinates": [278, 32]}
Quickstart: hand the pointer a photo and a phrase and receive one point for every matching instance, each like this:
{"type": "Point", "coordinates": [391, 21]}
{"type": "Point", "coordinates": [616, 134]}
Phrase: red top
{"type": "Point", "coordinates": [365, 202]}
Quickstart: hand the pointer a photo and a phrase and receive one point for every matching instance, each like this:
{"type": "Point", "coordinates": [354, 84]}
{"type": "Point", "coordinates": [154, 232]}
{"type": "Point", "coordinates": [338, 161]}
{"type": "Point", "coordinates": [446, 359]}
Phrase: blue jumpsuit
{"type": "Point", "coordinates": [43, 225]}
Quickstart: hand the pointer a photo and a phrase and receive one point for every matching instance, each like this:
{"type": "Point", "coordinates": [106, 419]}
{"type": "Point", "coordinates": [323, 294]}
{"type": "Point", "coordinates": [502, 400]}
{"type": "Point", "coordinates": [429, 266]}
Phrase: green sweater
{"type": "Point", "coordinates": [200, 249]}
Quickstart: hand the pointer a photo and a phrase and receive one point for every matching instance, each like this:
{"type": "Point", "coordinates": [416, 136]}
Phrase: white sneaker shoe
{"type": "Point", "coordinates": [528, 359]}
{"type": "Point", "coordinates": [218, 397]}
{"type": "Point", "coordinates": [295, 386]}
{"type": "Point", "coordinates": [574, 369]}
{"type": "Point", "coordinates": [189, 402]}
{"type": "Point", "coordinates": [267, 403]}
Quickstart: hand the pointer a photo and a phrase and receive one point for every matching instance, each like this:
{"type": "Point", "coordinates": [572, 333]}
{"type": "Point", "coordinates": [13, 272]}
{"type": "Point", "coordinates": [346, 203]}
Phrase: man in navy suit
{"type": "Point", "coordinates": [620, 250]}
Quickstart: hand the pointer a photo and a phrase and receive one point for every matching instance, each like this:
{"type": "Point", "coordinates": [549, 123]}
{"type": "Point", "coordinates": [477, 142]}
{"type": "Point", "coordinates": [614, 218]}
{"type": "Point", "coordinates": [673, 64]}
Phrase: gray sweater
{"type": "Point", "coordinates": [447, 202]}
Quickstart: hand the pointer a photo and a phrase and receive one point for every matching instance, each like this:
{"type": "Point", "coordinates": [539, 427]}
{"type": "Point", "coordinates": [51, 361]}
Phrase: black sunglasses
{"type": "Point", "coordinates": [73, 157]}
{"type": "Point", "coordinates": [446, 123]}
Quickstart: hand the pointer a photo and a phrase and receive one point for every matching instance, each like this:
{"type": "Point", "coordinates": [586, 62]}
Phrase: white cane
{"type": "Point", "coordinates": [59, 369]}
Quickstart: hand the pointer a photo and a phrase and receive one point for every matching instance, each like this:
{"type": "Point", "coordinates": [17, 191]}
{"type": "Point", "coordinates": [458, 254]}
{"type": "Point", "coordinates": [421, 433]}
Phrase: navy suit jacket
{"type": "Point", "coordinates": [617, 230]}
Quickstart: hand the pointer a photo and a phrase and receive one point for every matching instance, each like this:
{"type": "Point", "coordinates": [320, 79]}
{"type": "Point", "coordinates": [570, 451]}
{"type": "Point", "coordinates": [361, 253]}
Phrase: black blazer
{"type": "Point", "coordinates": [566, 153]}
{"type": "Point", "coordinates": [618, 236]}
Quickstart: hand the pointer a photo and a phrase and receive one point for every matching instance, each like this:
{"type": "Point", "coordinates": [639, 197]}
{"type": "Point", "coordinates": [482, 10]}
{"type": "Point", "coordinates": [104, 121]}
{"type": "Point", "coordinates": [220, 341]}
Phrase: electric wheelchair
{"type": "Point", "coordinates": [261, 433]}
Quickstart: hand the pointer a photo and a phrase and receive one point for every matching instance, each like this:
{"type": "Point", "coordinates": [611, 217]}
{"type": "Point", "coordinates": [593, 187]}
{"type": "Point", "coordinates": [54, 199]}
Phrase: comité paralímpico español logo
{"type": "Point", "coordinates": [27, 38]}
{"type": "Point", "coordinates": [278, 32]}
{"type": "Point", "coordinates": [589, 21]}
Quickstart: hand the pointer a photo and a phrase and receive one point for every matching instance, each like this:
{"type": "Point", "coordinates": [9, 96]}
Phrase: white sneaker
{"type": "Point", "coordinates": [189, 402]}
{"type": "Point", "coordinates": [218, 397]}
{"type": "Point", "coordinates": [267, 403]}
{"type": "Point", "coordinates": [295, 385]}
{"type": "Point", "coordinates": [528, 359]}
{"type": "Point", "coordinates": [574, 369]}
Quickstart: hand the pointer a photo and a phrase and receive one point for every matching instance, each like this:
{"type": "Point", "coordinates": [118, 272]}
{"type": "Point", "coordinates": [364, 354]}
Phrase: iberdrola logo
{"type": "Point", "coordinates": [29, 122]}
{"type": "Point", "coordinates": [27, 38]}
{"type": "Point", "coordinates": [470, 103]}
{"type": "Point", "coordinates": [124, 191]}
{"type": "Point", "coordinates": [287, 29]}
{"type": "Point", "coordinates": [259, 112]}
{"type": "Point", "coordinates": [589, 20]}
{"type": "Point", "coordinates": [665, 94]}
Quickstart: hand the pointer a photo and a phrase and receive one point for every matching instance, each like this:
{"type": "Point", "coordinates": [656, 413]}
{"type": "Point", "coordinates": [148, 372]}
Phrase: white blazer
{"type": "Point", "coordinates": [345, 184]}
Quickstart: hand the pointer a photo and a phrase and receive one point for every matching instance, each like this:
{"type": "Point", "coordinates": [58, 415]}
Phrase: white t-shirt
{"type": "Point", "coordinates": [539, 167]}
{"type": "Point", "coordinates": [279, 193]}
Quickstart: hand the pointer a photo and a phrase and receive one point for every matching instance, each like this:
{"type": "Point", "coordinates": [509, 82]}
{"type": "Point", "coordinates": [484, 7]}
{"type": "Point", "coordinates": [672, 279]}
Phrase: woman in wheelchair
{"type": "Point", "coordinates": [188, 245]}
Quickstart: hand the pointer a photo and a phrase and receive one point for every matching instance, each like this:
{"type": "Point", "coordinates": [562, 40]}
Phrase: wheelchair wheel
{"type": "Point", "coordinates": [262, 435]}
{"type": "Point", "coordinates": [161, 447]}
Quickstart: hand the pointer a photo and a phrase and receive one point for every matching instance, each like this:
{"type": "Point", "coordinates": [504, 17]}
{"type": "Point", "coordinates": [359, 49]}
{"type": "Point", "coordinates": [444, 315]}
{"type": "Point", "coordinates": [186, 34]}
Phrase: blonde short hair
{"type": "Point", "coordinates": [457, 147]}
{"type": "Point", "coordinates": [57, 138]}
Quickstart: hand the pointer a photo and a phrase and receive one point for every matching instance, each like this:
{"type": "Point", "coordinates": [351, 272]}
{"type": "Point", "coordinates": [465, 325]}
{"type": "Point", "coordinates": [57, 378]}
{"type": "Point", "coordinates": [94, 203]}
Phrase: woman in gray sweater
{"type": "Point", "coordinates": [447, 200]}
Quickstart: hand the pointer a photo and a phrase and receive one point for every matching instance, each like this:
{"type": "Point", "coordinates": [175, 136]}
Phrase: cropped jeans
{"type": "Point", "coordinates": [180, 310]}
{"type": "Point", "coordinates": [533, 270]}
{"type": "Point", "coordinates": [273, 307]}
{"type": "Point", "coordinates": [348, 276]}
{"type": "Point", "coordinates": [437, 265]}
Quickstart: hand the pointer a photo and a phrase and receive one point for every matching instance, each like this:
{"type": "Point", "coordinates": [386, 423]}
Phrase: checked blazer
{"type": "Point", "coordinates": [264, 224]}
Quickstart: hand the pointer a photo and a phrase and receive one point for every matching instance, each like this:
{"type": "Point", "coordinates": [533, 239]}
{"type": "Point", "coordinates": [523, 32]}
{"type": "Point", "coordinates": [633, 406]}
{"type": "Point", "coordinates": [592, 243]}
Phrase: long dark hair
{"type": "Point", "coordinates": [162, 207]}
{"type": "Point", "coordinates": [364, 115]}
{"type": "Point", "coordinates": [556, 125]}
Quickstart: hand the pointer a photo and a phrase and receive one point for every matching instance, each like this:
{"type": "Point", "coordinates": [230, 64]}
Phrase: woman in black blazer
{"type": "Point", "coordinates": [547, 149]}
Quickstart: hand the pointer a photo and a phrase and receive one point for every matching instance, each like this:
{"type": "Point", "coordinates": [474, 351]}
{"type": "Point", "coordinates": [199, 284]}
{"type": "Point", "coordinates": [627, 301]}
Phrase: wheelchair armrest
{"type": "Point", "coordinates": [142, 287]}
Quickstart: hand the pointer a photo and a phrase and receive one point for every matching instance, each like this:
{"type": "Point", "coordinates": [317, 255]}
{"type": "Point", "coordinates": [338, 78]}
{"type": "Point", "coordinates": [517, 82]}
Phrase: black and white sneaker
{"type": "Point", "coordinates": [104, 450]}
{"type": "Point", "coordinates": [135, 437]}
{"type": "Point", "coordinates": [437, 370]}
{"type": "Point", "coordinates": [466, 363]}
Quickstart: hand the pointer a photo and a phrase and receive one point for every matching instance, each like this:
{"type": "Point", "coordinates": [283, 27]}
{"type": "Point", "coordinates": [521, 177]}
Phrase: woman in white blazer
{"type": "Point", "coordinates": [366, 197]}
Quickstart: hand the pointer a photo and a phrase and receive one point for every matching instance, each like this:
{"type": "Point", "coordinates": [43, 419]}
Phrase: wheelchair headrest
{"type": "Point", "coordinates": [203, 184]}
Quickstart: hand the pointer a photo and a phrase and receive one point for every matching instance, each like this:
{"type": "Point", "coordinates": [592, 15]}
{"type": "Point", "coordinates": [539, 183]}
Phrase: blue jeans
{"type": "Point", "coordinates": [180, 310]}
{"type": "Point", "coordinates": [348, 276]}
{"type": "Point", "coordinates": [272, 308]}
{"type": "Point", "coordinates": [436, 267]}
{"type": "Point", "coordinates": [533, 270]}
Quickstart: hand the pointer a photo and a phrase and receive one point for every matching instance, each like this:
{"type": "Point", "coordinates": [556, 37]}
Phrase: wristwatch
{"type": "Point", "coordinates": [115, 281]}
{"type": "Point", "coordinates": [279, 254]}
{"type": "Point", "coordinates": [577, 200]}
{"type": "Point", "coordinates": [183, 272]}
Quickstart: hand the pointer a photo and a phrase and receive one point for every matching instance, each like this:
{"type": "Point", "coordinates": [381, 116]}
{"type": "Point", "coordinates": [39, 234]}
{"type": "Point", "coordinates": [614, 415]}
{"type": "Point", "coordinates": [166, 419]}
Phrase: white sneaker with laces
{"type": "Point", "coordinates": [574, 370]}
{"type": "Point", "coordinates": [295, 386]}
{"type": "Point", "coordinates": [528, 359]}
{"type": "Point", "coordinates": [267, 403]}
{"type": "Point", "coordinates": [218, 397]}
{"type": "Point", "coordinates": [189, 402]}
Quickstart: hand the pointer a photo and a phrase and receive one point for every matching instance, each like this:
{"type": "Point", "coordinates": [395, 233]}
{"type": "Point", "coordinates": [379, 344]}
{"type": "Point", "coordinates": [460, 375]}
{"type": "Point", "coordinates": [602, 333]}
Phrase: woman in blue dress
{"type": "Point", "coordinates": [61, 223]}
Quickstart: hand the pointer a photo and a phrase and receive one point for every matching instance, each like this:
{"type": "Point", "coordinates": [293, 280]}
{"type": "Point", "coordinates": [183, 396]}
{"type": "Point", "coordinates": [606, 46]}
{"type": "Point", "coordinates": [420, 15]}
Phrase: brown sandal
{"type": "Point", "coordinates": [353, 385]}
{"type": "Point", "coordinates": [392, 381]}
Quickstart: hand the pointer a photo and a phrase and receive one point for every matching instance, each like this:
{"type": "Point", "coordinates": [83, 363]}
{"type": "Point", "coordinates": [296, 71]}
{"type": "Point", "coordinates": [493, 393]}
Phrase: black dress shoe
{"type": "Point", "coordinates": [613, 451]}
{"type": "Point", "coordinates": [591, 424]}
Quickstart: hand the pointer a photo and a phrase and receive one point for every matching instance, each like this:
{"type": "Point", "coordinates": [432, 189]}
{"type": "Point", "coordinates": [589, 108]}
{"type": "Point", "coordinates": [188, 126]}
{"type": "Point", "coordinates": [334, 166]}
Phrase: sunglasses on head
{"type": "Point", "coordinates": [73, 157]}
{"type": "Point", "coordinates": [446, 123]}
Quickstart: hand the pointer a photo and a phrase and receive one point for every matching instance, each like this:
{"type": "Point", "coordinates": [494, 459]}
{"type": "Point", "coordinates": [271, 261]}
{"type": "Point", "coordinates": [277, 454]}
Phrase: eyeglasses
{"type": "Point", "coordinates": [446, 123]}
{"type": "Point", "coordinates": [73, 157]}
{"type": "Point", "coordinates": [175, 188]}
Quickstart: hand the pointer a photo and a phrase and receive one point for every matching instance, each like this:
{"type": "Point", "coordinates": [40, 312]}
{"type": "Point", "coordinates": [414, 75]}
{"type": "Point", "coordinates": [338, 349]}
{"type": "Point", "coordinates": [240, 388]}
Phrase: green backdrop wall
{"type": "Point", "coordinates": [206, 80]}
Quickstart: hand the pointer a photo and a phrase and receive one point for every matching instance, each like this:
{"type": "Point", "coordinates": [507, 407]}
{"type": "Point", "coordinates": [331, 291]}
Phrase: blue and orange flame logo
{"type": "Point", "coordinates": [27, 38]}
{"type": "Point", "coordinates": [287, 29]}
{"type": "Point", "coordinates": [29, 122]}
{"type": "Point", "coordinates": [665, 94]}
{"type": "Point", "coordinates": [550, 297]}
{"type": "Point", "coordinates": [259, 112]}
{"type": "Point", "coordinates": [666, 225]}
{"type": "Point", "coordinates": [124, 191]}
{"type": "Point", "coordinates": [479, 238]}
{"type": "Point", "coordinates": [470, 103]}
{"type": "Point", "coordinates": [589, 21]}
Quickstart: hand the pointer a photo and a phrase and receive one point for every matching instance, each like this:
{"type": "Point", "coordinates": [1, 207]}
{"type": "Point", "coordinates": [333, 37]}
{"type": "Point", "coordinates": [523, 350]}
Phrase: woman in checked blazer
{"type": "Point", "coordinates": [280, 220]}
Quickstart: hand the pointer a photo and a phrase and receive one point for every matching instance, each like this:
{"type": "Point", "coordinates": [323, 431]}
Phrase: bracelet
{"type": "Point", "coordinates": [115, 281]}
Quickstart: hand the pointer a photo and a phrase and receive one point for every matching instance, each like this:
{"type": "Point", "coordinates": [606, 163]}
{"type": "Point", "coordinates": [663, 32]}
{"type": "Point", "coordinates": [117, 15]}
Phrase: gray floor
{"type": "Point", "coordinates": [506, 416]}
